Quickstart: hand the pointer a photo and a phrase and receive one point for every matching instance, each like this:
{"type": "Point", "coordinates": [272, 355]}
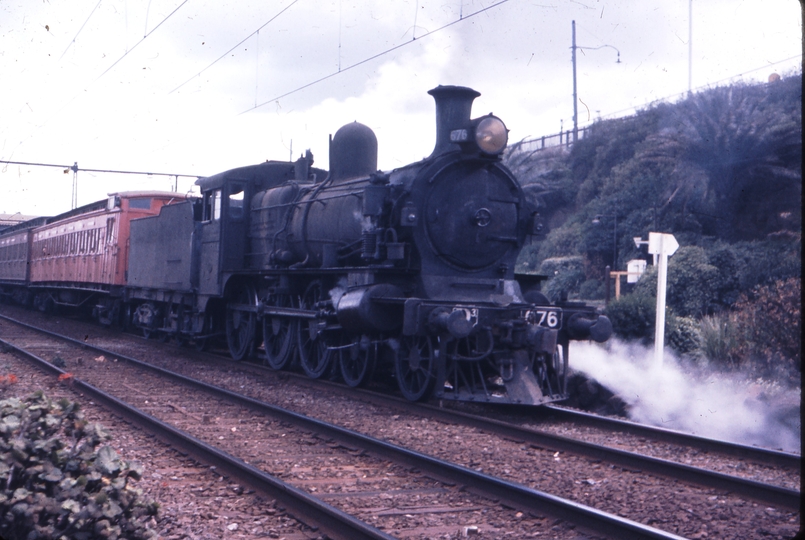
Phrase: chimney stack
{"type": "Point", "coordinates": [453, 108]}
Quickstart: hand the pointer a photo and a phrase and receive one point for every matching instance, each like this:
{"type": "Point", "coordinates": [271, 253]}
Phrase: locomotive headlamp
{"type": "Point", "coordinates": [491, 135]}
{"type": "Point", "coordinates": [487, 134]}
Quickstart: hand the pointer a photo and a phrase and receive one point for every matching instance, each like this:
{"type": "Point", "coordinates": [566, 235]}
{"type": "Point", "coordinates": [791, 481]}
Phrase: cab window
{"type": "Point", "coordinates": [212, 205]}
{"type": "Point", "coordinates": [235, 201]}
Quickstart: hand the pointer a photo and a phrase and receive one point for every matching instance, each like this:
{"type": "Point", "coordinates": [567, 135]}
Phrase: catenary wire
{"type": "Point", "coordinates": [374, 57]}
{"type": "Point", "coordinates": [634, 108]}
{"type": "Point", "coordinates": [235, 46]}
{"type": "Point", "coordinates": [75, 168]}
{"type": "Point", "coordinates": [80, 29]}
{"type": "Point", "coordinates": [37, 128]}
{"type": "Point", "coordinates": [143, 39]}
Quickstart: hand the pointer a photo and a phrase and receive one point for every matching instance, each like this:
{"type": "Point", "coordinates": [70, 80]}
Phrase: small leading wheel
{"type": "Point", "coordinates": [357, 360]}
{"type": "Point", "coordinates": [313, 354]}
{"type": "Point", "coordinates": [241, 321]}
{"type": "Point", "coordinates": [278, 334]}
{"type": "Point", "coordinates": [415, 367]}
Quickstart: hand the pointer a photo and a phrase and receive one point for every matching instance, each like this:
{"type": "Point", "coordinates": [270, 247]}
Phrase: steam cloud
{"type": "Point", "coordinates": [707, 403]}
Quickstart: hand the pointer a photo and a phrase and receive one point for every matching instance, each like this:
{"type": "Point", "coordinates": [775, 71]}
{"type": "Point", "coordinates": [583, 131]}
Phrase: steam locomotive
{"type": "Point", "coordinates": [356, 271]}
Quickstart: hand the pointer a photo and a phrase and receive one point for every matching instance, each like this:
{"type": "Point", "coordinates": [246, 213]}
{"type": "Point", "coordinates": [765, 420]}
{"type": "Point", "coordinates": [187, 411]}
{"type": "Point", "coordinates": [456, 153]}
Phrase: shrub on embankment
{"type": "Point", "coordinates": [58, 482]}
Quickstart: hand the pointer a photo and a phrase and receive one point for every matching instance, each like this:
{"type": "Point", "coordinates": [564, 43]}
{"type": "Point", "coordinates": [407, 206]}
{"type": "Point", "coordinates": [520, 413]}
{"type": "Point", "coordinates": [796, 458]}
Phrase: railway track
{"type": "Point", "coordinates": [703, 444]}
{"type": "Point", "coordinates": [329, 455]}
{"type": "Point", "coordinates": [767, 493]}
{"type": "Point", "coordinates": [749, 460]}
{"type": "Point", "coordinates": [781, 497]}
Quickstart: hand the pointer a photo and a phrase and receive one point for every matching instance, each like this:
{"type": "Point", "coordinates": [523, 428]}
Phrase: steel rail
{"type": "Point", "coordinates": [300, 504]}
{"type": "Point", "coordinates": [755, 453]}
{"type": "Point", "coordinates": [516, 495]}
{"type": "Point", "coordinates": [785, 497]}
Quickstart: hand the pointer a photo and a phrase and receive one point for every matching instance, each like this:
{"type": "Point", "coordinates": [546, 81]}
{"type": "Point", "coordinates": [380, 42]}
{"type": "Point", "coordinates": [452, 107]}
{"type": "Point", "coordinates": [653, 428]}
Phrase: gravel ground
{"type": "Point", "coordinates": [195, 502]}
{"type": "Point", "coordinates": [661, 503]}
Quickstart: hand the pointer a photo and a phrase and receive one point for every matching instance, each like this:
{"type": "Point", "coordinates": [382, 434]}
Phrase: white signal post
{"type": "Point", "coordinates": [662, 246]}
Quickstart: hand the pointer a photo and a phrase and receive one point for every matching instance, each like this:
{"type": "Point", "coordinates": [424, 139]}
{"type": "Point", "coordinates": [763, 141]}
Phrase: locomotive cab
{"type": "Point", "coordinates": [223, 230]}
{"type": "Point", "coordinates": [227, 216]}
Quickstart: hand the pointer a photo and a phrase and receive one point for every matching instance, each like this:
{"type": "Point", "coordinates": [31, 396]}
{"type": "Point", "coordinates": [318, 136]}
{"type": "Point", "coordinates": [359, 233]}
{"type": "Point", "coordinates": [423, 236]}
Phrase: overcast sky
{"type": "Point", "coordinates": [138, 85]}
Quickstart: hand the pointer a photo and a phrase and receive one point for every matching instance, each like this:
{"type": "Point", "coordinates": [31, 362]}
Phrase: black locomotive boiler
{"type": "Point", "coordinates": [355, 270]}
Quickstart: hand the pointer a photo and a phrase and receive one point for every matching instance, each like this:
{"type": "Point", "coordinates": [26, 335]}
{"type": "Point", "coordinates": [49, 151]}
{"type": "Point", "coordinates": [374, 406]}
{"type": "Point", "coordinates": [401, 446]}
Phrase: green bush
{"type": "Point", "coordinates": [565, 275]}
{"type": "Point", "coordinates": [692, 282]}
{"type": "Point", "coordinates": [633, 316]}
{"type": "Point", "coordinates": [527, 260]}
{"type": "Point", "coordinates": [682, 334]}
{"type": "Point", "coordinates": [561, 242]}
{"type": "Point", "coordinates": [55, 483]}
{"type": "Point", "coordinates": [760, 263]}
{"type": "Point", "coordinates": [762, 335]}
{"type": "Point", "coordinates": [719, 341]}
{"type": "Point", "coordinates": [769, 319]}
{"type": "Point", "coordinates": [592, 289]}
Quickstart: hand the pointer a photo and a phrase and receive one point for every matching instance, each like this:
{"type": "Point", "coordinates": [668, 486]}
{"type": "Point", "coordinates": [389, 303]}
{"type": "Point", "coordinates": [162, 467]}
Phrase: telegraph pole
{"type": "Point", "coordinates": [575, 94]}
{"type": "Point", "coordinates": [74, 203]}
{"type": "Point", "coordinates": [575, 97]}
{"type": "Point", "coordinates": [690, 46]}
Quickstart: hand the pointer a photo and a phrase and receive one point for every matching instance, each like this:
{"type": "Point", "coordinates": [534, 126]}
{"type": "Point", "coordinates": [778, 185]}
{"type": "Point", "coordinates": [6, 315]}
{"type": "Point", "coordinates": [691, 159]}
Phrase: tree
{"type": "Point", "coordinates": [747, 142]}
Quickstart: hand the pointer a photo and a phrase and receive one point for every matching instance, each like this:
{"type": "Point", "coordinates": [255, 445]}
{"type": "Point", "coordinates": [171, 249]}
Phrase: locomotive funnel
{"type": "Point", "coordinates": [453, 108]}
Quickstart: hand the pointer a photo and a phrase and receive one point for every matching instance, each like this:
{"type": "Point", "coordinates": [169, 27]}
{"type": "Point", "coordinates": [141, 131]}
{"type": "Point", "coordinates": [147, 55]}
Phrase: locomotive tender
{"type": "Point", "coordinates": [356, 270]}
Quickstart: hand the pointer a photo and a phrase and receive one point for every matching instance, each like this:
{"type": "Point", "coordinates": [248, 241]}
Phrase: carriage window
{"type": "Point", "coordinates": [94, 237]}
{"type": "Point", "coordinates": [110, 230]}
{"type": "Point", "coordinates": [139, 204]}
{"type": "Point", "coordinates": [236, 196]}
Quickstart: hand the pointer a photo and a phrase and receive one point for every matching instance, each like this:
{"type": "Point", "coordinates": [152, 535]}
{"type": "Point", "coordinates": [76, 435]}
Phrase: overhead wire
{"type": "Point", "coordinates": [241, 42]}
{"type": "Point", "coordinates": [80, 29]}
{"type": "Point", "coordinates": [107, 70]}
{"type": "Point", "coordinates": [143, 39]}
{"type": "Point", "coordinates": [671, 97]}
{"type": "Point", "coordinates": [375, 56]}
{"type": "Point", "coordinates": [702, 87]}
{"type": "Point", "coordinates": [75, 168]}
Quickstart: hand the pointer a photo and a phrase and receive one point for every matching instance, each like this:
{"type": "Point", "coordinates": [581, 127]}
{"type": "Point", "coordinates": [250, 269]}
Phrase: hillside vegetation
{"type": "Point", "coordinates": [722, 172]}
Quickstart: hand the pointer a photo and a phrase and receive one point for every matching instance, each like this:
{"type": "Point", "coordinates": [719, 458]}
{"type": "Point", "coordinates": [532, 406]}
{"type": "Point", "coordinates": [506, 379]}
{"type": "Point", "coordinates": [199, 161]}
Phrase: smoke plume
{"type": "Point", "coordinates": [693, 399]}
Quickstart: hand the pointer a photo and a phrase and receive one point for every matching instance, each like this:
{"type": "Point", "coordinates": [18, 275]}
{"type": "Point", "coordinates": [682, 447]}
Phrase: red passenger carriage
{"type": "Point", "coordinates": [80, 258]}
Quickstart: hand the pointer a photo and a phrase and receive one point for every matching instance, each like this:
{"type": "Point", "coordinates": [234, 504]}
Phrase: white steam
{"type": "Point", "coordinates": [707, 403]}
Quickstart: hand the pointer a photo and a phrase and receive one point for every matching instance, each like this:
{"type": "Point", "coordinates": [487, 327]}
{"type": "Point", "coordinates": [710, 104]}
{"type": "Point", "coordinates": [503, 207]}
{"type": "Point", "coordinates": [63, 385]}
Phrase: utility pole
{"type": "Point", "coordinates": [74, 168]}
{"type": "Point", "coordinates": [575, 97]}
{"type": "Point", "coordinates": [690, 46]}
{"type": "Point", "coordinates": [573, 48]}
